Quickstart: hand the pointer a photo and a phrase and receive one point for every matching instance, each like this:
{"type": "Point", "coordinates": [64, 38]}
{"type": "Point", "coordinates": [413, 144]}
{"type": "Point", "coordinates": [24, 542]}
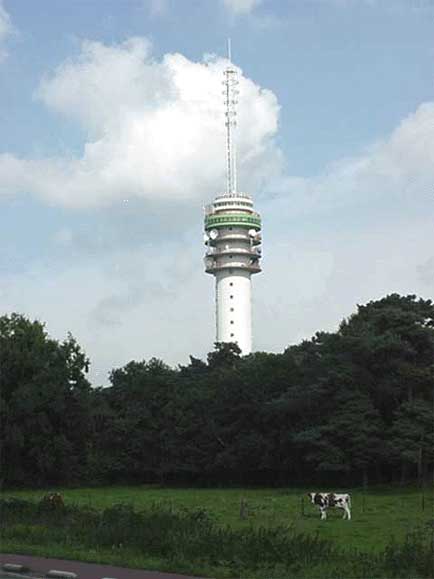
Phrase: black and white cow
{"type": "Point", "coordinates": [53, 501]}
{"type": "Point", "coordinates": [326, 500]}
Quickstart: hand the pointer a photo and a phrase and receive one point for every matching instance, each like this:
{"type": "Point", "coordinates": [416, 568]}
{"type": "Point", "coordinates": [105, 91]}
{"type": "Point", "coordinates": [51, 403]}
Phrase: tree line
{"type": "Point", "coordinates": [344, 407]}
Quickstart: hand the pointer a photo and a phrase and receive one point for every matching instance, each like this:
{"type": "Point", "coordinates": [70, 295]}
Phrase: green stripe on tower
{"type": "Point", "coordinates": [233, 219]}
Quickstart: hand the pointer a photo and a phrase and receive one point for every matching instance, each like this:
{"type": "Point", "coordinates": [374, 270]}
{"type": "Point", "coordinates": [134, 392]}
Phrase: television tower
{"type": "Point", "coordinates": [232, 238]}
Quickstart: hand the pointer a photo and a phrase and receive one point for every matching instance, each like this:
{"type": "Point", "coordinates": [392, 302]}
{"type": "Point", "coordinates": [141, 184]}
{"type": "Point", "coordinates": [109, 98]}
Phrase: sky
{"type": "Point", "coordinates": [112, 141]}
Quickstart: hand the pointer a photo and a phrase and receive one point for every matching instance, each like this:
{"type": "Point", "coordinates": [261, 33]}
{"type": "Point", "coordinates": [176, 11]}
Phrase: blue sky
{"type": "Point", "coordinates": [333, 64]}
{"type": "Point", "coordinates": [112, 139]}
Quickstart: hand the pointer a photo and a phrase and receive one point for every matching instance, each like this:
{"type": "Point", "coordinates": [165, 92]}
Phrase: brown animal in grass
{"type": "Point", "coordinates": [53, 501]}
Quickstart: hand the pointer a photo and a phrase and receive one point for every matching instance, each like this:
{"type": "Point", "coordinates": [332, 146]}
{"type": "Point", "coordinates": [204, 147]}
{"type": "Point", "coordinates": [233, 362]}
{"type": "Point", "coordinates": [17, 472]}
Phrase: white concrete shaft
{"type": "Point", "coordinates": [234, 309]}
{"type": "Point", "coordinates": [233, 239]}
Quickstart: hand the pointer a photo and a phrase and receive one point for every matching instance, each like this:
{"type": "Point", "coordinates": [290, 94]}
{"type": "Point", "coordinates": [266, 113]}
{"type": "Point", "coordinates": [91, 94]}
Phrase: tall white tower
{"type": "Point", "coordinates": [232, 238]}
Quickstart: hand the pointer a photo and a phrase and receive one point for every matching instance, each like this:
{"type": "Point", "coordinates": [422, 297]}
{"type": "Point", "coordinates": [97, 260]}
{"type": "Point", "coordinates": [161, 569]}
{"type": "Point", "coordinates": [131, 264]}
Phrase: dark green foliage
{"type": "Point", "coordinates": [346, 407]}
{"type": "Point", "coordinates": [225, 355]}
{"type": "Point", "coordinates": [413, 554]}
{"type": "Point", "coordinates": [412, 435]}
{"type": "Point", "coordinates": [45, 401]}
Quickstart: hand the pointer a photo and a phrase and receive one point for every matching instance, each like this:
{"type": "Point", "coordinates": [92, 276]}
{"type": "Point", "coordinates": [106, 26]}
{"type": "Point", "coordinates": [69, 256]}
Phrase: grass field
{"type": "Point", "coordinates": [378, 514]}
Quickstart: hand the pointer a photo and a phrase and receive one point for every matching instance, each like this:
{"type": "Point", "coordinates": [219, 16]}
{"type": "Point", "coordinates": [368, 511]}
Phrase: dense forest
{"type": "Point", "coordinates": [350, 407]}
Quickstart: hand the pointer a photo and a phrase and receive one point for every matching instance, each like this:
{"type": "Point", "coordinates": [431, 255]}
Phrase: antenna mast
{"type": "Point", "coordinates": [231, 92]}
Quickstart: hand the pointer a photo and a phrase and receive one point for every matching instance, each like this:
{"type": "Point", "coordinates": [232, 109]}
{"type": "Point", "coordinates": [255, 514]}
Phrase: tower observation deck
{"type": "Point", "coordinates": [233, 241]}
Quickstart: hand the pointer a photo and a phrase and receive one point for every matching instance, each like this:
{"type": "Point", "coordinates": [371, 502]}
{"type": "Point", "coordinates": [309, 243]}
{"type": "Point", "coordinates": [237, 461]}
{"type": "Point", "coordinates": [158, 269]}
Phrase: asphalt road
{"type": "Point", "coordinates": [41, 565]}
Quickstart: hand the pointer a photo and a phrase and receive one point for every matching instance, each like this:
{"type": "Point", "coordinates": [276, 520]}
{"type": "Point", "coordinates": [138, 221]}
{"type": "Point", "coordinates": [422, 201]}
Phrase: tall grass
{"type": "Point", "coordinates": [190, 539]}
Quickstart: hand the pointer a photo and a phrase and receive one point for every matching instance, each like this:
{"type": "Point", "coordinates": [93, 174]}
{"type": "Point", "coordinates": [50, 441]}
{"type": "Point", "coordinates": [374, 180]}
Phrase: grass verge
{"type": "Point", "coordinates": [190, 541]}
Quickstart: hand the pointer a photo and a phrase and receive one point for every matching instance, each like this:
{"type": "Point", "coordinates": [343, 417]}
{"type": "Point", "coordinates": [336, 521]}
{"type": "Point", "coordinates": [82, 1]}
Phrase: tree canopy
{"type": "Point", "coordinates": [352, 405]}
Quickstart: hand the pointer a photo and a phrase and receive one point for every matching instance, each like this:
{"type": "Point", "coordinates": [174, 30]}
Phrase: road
{"type": "Point", "coordinates": [41, 565]}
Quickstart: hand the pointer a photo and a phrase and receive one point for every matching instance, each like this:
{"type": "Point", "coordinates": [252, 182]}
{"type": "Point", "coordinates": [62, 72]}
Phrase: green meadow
{"type": "Point", "coordinates": [379, 516]}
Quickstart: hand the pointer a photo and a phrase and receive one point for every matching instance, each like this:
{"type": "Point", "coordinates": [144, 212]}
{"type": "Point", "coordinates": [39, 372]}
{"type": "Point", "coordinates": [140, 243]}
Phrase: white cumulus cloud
{"type": "Point", "coordinates": [155, 129]}
{"type": "Point", "coordinates": [397, 171]}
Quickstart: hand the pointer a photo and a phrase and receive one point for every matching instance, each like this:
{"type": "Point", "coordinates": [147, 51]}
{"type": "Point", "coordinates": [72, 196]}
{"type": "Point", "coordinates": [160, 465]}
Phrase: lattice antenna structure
{"type": "Point", "coordinates": [230, 101]}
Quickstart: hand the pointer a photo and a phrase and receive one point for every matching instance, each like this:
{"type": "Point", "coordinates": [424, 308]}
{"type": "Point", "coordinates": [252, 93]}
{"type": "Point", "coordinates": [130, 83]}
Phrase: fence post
{"type": "Point", "coordinates": [365, 484]}
{"type": "Point", "coordinates": [243, 508]}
